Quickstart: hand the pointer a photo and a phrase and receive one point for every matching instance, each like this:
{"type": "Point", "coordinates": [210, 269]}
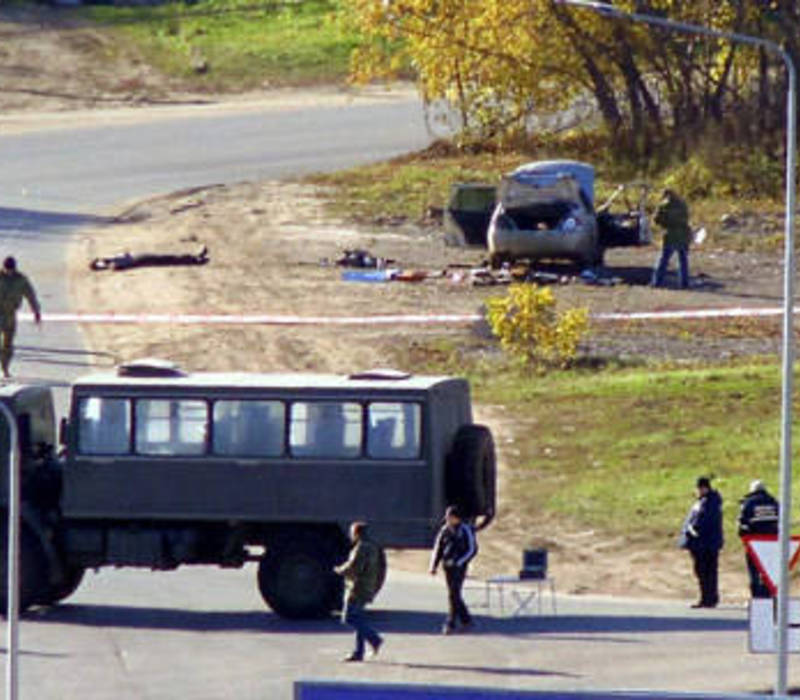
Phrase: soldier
{"type": "Point", "coordinates": [362, 570]}
{"type": "Point", "coordinates": [758, 516]}
{"type": "Point", "coordinates": [673, 216]}
{"type": "Point", "coordinates": [14, 286]}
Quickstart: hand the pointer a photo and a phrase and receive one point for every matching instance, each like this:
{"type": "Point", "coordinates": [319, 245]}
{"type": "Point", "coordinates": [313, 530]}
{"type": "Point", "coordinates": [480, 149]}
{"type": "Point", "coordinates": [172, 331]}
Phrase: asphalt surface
{"type": "Point", "coordinates": [62, 173]}
{"type": "Point", "coordinates": [204, 633]}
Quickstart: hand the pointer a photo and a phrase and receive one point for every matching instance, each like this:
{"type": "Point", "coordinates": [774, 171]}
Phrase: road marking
{"type": "Point", "coordinates": [388, 319]}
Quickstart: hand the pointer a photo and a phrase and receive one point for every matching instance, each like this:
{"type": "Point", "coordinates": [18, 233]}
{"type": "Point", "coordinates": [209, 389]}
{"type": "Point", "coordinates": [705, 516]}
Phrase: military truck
{"type": "Point", "coordinates": [158, 468]}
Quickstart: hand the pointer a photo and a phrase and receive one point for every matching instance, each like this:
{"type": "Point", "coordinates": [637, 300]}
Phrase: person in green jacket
{"type": "Point", "coordinates": [673, 216]}
{"type": "Point", "coordinates": [363, 572]}
{"type": "Point", "coordinates": [14, 286]}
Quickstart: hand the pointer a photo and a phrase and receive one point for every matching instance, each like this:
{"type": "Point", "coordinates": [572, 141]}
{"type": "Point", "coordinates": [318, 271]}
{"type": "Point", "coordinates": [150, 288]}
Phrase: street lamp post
{"type": "Point", "coordinates": [12, 609]}
{"type": "Point", "coordinates": [788, 294]}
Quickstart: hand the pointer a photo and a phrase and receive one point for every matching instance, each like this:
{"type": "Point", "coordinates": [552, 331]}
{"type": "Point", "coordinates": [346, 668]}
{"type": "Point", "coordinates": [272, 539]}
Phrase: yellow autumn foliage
{"type": "Point", "coordinates": [497, 62]}
{"type": "Point", "coordinates": [532, 330]}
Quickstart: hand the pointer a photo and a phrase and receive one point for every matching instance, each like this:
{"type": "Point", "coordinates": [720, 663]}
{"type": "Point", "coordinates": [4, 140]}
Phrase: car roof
{"type": "Point", "coordinates": [280, 381]}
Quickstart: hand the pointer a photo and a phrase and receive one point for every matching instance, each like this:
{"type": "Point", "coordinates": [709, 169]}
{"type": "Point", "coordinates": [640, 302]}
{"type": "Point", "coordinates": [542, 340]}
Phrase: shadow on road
{"type": "Point", "coordinates": [491, 670]}
{"type": "Point", "coordinates": [72, 357]}
{"type": "Point", "coordinates": [28, 223]}
{"type": "Point", "coordinates": [387, 621]}
{"type": "Point", "coordinates": [45, 654]}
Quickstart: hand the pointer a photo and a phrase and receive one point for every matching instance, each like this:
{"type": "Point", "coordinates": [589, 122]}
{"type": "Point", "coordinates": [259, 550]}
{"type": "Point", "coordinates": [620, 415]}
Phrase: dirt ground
{"type": "Point", "coordinates": [49, 63]}
{"type": "Point", "coordinates": [268, 243]}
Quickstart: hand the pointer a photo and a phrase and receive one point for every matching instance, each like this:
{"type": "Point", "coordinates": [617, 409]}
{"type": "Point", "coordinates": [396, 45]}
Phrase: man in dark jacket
{"type": "Point", "coordinates": [758, 516]}
{"type": "Point", "coordinates": [702, 536]}
{"type": "Point", "coordinates": [455, 547]}
{"type": "Point", "coordinates": [363, 572]}
{"type": "Point", "coordinates": [673, 216]}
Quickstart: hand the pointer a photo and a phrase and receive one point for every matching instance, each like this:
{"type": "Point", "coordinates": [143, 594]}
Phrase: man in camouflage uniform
{"type": "Point", "coordinates": [363, 572]}
{"type": "Point", "coordinates": [673, 216]}
{"type": "Point", "coordinates": [14, 286]}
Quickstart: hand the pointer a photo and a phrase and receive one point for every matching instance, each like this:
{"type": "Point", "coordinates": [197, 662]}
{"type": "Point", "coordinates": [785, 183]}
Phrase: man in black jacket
{"type": "Point", "coordinates": [702, 536]}
{"type": "Point", "coordinates": [758, 516]}
{"type": "Point", "coordinates": [455, 547]}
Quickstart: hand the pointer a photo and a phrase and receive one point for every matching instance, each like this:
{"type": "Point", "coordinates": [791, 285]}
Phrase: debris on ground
{"type": "Point", "coordinates": [127, 261]}
{"type": "Point", "coordinates": [360, 259]}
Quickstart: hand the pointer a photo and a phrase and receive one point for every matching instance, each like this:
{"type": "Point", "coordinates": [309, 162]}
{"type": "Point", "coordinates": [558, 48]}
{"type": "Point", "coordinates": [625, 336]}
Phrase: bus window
{"type": "Point", "coordinates": [249, 428]}
{"type": "Point", "coordinates": [394, 430]}
{"type": "Point", "coordinates": [325, 429]}
{"type": "Point", "coordinates": [171, 426]}
{"type": "Point", "coordinates": [104, 426]}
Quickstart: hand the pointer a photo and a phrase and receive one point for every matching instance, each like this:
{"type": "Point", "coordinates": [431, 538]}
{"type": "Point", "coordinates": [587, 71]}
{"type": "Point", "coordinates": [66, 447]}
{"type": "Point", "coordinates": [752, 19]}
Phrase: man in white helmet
{"type": "Point", "coordinates": [758, 516]}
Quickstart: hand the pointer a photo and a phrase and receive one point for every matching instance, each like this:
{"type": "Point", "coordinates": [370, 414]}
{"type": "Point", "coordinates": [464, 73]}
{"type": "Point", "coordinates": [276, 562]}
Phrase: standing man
{"type": "Point", "coordinates": [363, 572]}
{"type": "Point", "coordinates": [455, 547]}
{"type": "Point", "coordinates": [702, 536]}
{"type": "Point", "coordinates": [673, 216]}
{"type": "Point", "coordinates": [758, 516]}
{"type": "Point", "coordinates": [14, 286]}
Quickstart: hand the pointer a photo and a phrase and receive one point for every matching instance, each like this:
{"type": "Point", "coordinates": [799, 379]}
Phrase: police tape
{"type": "Point", "coordinates": [388, 319]}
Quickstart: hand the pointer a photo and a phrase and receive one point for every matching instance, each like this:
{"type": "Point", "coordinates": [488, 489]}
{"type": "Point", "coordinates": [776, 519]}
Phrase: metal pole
{"type": "Point", "coordinates": [785, 529]}
{"type": "Point", "coordinates": [788, 298]}
{"type": "Point", "coordinates": [12, 613]}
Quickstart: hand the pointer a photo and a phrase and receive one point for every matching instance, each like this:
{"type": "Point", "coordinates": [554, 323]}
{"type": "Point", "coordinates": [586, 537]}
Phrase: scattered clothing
{"type": "Point", "coordinates": [362, 259]}
{"type": "Point", "coordinates": [758, 515]}
{"type": "Point", "coordinates": [127, 261]}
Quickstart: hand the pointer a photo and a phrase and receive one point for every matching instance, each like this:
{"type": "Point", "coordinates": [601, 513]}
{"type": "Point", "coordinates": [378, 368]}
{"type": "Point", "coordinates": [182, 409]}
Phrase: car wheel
{"type": "Point", "coordinates": [496, 260]}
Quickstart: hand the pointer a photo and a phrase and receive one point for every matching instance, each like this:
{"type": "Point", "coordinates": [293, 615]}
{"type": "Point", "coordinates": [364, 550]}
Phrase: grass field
{"type": "Point", "coordinates": [620, 450]}
{"type": "Point", "coordinates": [232, 45]}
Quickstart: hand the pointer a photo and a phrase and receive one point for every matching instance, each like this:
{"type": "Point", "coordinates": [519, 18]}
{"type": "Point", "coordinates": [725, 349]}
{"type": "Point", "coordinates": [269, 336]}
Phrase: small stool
{"type": "Point", "coordinates": [523, 591]}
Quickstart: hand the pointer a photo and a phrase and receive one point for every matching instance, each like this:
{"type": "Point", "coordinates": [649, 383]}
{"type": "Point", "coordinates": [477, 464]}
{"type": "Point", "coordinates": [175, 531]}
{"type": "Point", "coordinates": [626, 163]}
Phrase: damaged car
{"type": "Point", "coordinates": [546, 211]}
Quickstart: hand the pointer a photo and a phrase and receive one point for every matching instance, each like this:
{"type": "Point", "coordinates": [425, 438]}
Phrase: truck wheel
{"type": "Point", "coordinates": [296, 578]}
{"type": "Point", "coordinates": [32, 570]}
{"type": "Point", "coordinates": [72, 580]}
{"type": "Point", "coordinates": [472, 472]}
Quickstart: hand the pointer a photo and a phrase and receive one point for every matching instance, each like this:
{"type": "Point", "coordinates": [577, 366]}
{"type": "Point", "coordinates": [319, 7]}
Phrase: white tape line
{"type": "Point", "coordinates": [399, 319]}
{"type": "Point", "coordinates": [256, 319]}
{"type": "Point", "coordinates": [737, 312]}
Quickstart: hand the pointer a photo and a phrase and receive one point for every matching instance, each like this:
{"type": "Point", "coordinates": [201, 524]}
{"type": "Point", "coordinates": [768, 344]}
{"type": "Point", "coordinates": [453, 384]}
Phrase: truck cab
{"type": "Point", "coordinates": [162, 468]}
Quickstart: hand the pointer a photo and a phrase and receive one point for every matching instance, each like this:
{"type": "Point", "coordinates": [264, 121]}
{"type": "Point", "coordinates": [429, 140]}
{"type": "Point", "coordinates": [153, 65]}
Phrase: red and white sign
{"type": "Point", "coordinates": [764, 552]}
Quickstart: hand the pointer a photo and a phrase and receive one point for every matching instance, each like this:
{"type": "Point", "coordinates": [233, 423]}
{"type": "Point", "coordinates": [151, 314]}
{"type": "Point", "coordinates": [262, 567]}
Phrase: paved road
{"type": "Point", "coordinates": [63, 172]}
{"type": "Point", "coordinates": [205, 635]}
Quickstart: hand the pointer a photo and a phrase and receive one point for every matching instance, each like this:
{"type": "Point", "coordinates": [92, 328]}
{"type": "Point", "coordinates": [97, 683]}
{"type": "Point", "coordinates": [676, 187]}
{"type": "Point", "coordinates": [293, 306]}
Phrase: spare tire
{"type": "Point", "coordinates": [470, 481]}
